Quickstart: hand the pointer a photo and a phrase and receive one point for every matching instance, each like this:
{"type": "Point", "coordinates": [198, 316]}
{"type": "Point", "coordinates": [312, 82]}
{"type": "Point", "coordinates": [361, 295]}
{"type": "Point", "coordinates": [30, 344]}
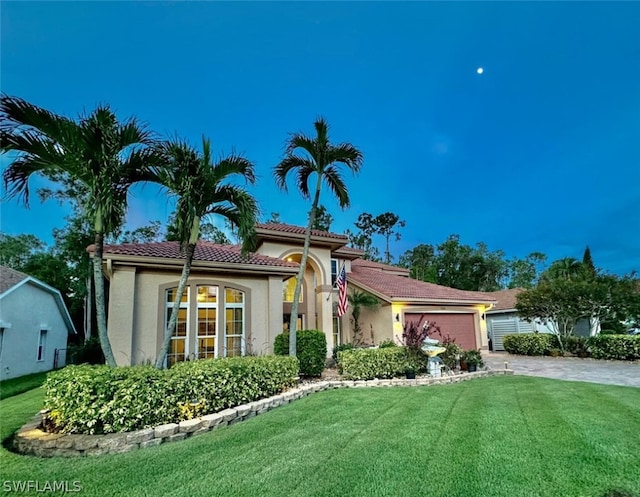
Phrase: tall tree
{"type": "Point", "coordinates": [587, 263]}
{"type": "Point", "coordinates": [98, 151]}
{"type": "Point", "coordinates": [524, 273]}
{"type": "Point", "coordinates": [203, 188]}
{"type": "Point", "coordinates": [566, 268]}
{"type": "Point", "coordinates": [16, 251]}
{"type": "Point", "coordinates": [387, 225]}
{"type": "Point", "coordinates": [318, 156]}
{"type": "Point", "coordinates": [421, 261]}
{"type": "Point", "coordinates": [323, 219]}
{"type": "Point", "coordinates": [363, 238]}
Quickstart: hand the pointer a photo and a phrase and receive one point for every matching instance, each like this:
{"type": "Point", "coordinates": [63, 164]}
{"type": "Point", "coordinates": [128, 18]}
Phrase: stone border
{"type": "Point", "coordinates": [32, 440]}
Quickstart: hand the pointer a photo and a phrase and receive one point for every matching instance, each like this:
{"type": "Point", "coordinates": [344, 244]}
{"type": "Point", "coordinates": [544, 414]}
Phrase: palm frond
{"type": "Point", "coordinates": [322, 133]}
{"type": "Point", "coordinates": [290, 163]}
{"type": "Point", "coordinates": [334, 181]}
{"type": "Point", "coordinates": [302, 179]}
{"type": "Point", "coordinates": [17, 114]}
{"type": "Point", "coordinates": [232, 165]}
{"type": "Point", "coordinates": [346, 154]}
{"type": "Point", "coordinates": [300, 141]}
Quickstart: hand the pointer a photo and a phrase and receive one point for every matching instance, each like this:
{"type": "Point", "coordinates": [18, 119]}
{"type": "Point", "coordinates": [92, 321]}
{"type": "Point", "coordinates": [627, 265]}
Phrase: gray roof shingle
{"type": "Point", "coordinates": [10, 278]}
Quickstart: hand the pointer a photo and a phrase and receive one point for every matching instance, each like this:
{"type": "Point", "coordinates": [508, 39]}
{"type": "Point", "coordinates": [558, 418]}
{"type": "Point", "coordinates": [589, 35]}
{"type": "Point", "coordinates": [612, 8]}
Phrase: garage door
{"type": "Point", "coordinates": [459, 326]}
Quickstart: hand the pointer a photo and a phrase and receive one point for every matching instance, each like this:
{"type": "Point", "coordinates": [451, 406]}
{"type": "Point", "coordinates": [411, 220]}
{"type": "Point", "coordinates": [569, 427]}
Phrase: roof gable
{"type": "Point", "coordinates": [395, 287]}
{"type": "Point", "coordinates": [19, 280]}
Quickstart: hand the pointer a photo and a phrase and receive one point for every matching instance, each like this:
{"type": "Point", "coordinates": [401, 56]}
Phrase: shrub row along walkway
{"type": "Point", "coordinates": [568, 368]}
{"type": "Point", "coordinates": [32, 440]}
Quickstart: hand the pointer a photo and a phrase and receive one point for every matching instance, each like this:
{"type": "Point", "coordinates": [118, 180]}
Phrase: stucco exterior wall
{"type": "Point", "coordinates": [29, 309]}
{"type": "Point", "coordinates": [137, 309]}
{"type": "Point", "coordinates": [378, 323]}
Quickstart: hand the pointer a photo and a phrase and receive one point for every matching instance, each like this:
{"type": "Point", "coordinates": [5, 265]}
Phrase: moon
{"type": "Point", "coordinates": [480, 70]}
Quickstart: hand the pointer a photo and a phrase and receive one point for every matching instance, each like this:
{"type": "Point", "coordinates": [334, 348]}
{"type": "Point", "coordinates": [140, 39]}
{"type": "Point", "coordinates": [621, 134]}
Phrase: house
{"type": "Point", "coordinates": [503, 319]}
{"type": "Point", "coordinates": [236, 305]}
{"type": "Point", "coordinates": [34, 325]}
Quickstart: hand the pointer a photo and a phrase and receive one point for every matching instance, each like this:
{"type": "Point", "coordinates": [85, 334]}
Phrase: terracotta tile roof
{"type": "Point", "coordinates": [299, 230]}
{"type": "Point", "coordinates": [379, 266]}
{"type": "Point", "coordinates": [10, 278]}
{"type": "Point", "coordinates": [506, 298]}
{"type": "Point", "coordinates": [350, 251]}
{"type": "Point", "coordinates": [205, 252]}
{"type": "Point", "coordinates": [401, 287]}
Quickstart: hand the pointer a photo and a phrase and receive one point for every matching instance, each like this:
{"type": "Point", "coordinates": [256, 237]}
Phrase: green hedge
{"type": "Point", "coordinates": [622, 347]}
{"type": "Point", "coordinates": [311, 350]}
{"type": "Point", "coordinates": [102, 399]}
{"type": "Point", "coordinates": [367, 364]}
{"type": "Point", "coordinates": [528, 343]}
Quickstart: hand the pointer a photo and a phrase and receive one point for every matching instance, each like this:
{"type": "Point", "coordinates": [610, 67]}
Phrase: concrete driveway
{"type": "Point", "coordinates": [568, 368]}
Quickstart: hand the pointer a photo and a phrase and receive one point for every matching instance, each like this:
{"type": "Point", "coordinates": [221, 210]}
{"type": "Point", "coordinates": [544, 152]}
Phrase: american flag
{"type": "Point", "coordinates": [341, 283]}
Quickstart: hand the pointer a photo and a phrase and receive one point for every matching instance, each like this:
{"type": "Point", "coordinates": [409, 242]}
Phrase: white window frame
{"type": "Point", "coordinates": [167, 315]}
{"type": "Point", "coordinates": [41, 351]}
{"type": "Point", "coordinates": [336, 329]}
{"type": "Point", "coordinates": [235, 305]}
{"type": "Point", "coordinates": [334, 271]}
{"type": "Point", "coordinates": [207, 305]}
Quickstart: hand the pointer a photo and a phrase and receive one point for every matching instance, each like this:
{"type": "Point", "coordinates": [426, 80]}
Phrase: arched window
{"type": "Point", "coordinates": [289, 289]}
{"type": "Point", "coordinates": [196, 335]}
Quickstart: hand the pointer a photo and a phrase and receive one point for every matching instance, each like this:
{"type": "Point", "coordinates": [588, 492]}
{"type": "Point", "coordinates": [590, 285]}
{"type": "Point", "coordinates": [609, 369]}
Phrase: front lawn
{"type": "Point", "coordinates": [14, 386]}
{"type": "Point", "coordinates": [503, 436]}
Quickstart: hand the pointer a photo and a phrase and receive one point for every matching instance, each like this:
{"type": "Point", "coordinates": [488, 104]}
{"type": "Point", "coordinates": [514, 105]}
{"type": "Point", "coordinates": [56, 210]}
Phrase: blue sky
{"type": "Point", "coordinates": [541, 152]}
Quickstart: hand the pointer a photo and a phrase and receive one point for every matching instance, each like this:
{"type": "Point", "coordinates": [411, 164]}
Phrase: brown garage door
{"type": "Point", "coordinates": [458, 326]}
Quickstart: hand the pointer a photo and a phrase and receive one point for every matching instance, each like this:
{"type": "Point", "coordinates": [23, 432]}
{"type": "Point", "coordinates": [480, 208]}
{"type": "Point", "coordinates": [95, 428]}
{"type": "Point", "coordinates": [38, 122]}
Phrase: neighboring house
{"type": "Point", "coordinates": [503, 320]}
{"type": "Point", "coordinates": [236, 306]}
{"type": "Point", "coordinates": [34, 325]}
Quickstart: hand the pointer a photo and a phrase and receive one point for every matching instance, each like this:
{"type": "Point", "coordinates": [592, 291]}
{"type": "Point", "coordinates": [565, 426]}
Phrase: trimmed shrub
{"type": "Point", "coordinates": [102, 399]}
{"type": "Point", "coordinates": [621, 347]}
{"type": "Point", "coordinates": [367, 364]}
{"type": "Point", "coordinates": [311, 350]}
{"type": "Point", "coordinates": [340, 348]}
{"type": "Point", "coordinates": [528, 343]}
{"type": "Point", "coordinates": [387, 343]}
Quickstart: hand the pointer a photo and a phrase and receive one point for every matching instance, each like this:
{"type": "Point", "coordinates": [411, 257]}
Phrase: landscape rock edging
{"type": "Point", "coordinates": [31, 440]}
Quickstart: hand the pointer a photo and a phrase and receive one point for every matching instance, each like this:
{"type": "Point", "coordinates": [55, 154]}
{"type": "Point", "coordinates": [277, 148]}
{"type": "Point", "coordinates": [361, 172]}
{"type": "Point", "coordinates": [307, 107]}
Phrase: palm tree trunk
{"type": "Point", "coordinates": [88, 310]}
{"type": "Point", "coordinates": [173, 320]}
{"type": "Point", "coordinates": [293, 323]}
{"type": "Point", "coordinates": [101, 314]}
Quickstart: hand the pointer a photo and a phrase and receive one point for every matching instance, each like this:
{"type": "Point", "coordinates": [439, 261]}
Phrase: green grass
{"type": "Point", "coordinates": [14, 386]}
{"type": "Point", "coordinates": [504, 436]}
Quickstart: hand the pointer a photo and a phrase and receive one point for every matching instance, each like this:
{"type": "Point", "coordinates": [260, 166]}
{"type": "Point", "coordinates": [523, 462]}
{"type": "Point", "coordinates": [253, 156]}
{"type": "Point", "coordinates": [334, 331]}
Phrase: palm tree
{"type": "Point", "coordinates": [203, 189]}
{"type": "Point", "coordinates": [102, 156]}
{"type": "Point", "coordinates": [566, 268]}
{"type": "Point", "coordinates": [323, 159]}
{"type": "Point", "coordinates": [359, 300]}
